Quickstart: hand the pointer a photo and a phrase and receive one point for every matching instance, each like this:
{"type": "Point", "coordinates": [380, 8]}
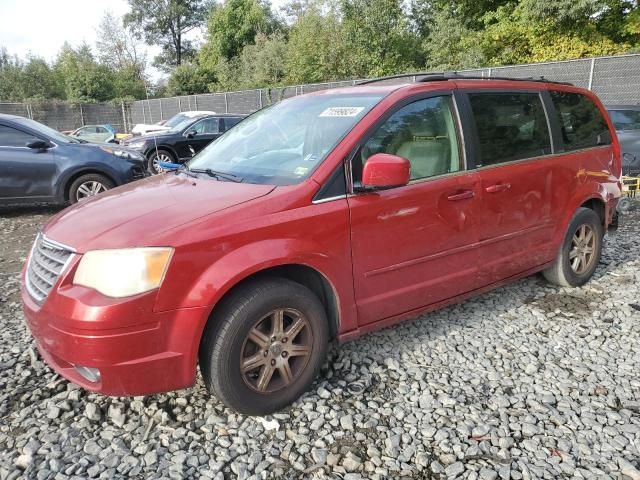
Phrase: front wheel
{"type": "Point", "coordinates": [580, 251]}
{"type": "Point", "coordinates": [88, 186]}
{"type": "Point", "coordinates": [264, 345]}
{"type": "Point", "coordinates": [158, 156]}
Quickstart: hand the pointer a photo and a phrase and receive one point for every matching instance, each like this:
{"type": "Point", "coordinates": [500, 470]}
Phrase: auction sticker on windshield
{"type": "Point", "coordinates": [341, 112]}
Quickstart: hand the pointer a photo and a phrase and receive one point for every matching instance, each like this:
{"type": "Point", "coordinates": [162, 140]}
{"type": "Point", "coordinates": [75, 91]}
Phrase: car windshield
{"type": "Point", "coordinates": [282, 144]}
{"type": "Point", "coordinates": [184, 123]}
{"type": "Point", "coordinates": [175, 120]}
{"type": "Point", "coordinates": [625, 119]}
{"type": "Point", "coordinates": [54, 135]}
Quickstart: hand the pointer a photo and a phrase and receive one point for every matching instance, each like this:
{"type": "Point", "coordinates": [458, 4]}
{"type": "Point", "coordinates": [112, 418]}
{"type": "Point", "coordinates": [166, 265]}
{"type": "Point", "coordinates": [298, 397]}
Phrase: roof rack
{"type": "Point", "coordinates": [444, 76]}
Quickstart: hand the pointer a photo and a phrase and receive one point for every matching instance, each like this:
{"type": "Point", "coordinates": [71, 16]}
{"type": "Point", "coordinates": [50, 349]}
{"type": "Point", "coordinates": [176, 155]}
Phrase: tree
{"type": "Point", "coordinates": [189, 79]}
{"type": "Point", "coordinates": [317, 50]}
{"type": "Point", "coordinates": [117, 45]}
{"type": "Point", "coordinates": [30, 79]}
{"type": "Point", "coordinates": [165, 23]}
{"type": "Point", "coordinates": [379, 34]}
{"type": "Point", "coordinates": [233, 26]}
{"type": "Point", "coordinates": [84, 79]}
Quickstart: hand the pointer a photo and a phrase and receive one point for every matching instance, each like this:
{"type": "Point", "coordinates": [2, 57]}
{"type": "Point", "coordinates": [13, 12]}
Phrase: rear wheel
{"type": "Point", "coordinates": [580, 251]}
{"type": "Point", "coordinates": [88, 185]}
{"type": "Point", "coordinates": [159, 156]}
{"type": "Point", "coordinates": [264, 346]}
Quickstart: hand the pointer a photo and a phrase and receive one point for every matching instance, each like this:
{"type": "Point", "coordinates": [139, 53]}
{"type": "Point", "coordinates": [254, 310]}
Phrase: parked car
{"type": "Point", "coordinates": [96, 133]}
{"type": "Point", "coordinates": [324, 216]}
{"type": "Point", "coordinates": [626, 120]}
{"type": "Point", "coordinates": [40, 164]}
{"type": "Point", "coordinates": [164, 125]}
{"type": "Point", "coordinates": [183, 141]}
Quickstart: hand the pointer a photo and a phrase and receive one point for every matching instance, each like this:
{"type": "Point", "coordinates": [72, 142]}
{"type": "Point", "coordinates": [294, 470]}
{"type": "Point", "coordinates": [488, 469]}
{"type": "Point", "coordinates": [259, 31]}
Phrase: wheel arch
{"type": "Point", "coordinates": [69, 181]}
{"type": "Point", "coordinates": [597, 205]}
{"type": "Point", "coordinates": [164, 147]}
{"type": "Point", "coordinates": [305, 275]}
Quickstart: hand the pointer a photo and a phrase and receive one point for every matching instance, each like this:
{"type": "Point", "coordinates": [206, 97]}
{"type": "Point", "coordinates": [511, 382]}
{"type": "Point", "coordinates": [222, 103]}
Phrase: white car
{"type": "Point", "coordinates": [144, 128]}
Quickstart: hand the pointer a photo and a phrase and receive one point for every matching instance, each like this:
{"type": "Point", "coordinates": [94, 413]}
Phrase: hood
{"type": "Point", "coordinates": [105, 147]}
{"type": "Point", "coordinates": [143, 127]}
{"type": "Point", "coordinates": [137, 213]}
{"type": "Point", "coordinates": [149, 136]}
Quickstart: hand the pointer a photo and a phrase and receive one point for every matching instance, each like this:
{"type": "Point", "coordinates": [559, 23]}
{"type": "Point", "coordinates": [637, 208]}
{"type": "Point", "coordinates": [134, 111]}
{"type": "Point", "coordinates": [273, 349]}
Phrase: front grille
{"type": "Point", "coordinates": [48, 260]}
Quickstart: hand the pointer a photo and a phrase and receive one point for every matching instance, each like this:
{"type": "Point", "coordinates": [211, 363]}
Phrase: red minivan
{"type": "Point", "coordinates": [323, 216]}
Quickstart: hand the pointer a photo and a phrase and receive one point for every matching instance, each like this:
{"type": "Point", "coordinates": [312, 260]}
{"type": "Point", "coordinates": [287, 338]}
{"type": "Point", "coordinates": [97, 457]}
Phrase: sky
{"type": "Point", "coordinates": [41, 27]}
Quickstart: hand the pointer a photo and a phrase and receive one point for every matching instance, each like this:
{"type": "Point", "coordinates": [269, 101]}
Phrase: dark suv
{"type": "Point", "coordinates": [183, 141]}
{"type": "Point", "coordinates": [626, 120]}
{"type": "Point", "coordinates": [40, 164]}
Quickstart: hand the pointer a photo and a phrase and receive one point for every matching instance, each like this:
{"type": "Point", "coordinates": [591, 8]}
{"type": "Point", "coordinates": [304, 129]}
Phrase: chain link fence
{"type": "Point", "coordinates": [616, 80]}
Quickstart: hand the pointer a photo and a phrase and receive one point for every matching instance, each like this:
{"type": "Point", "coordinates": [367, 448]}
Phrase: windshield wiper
{"type": "Point", "coordinates": [216, 174]}
{"type": "Point", "coordinates": [185, 168]}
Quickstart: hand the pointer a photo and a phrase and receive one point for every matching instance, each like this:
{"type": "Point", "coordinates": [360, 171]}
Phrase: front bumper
{"type": "Point", "coordinates": [137, 351]}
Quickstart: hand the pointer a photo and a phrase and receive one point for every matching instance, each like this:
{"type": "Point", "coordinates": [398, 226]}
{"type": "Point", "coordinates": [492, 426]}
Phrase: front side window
{"type": "Point", "coordinates": [581, 123]}
{"type": "Point", "coordinates": [423, 132]}
{"type": "Point", "coordinates": [282, 144]}
{"type": "Point", "coordinates": [11, 137]}
{"type": "Point", "coordinates": [625, 119]}
{"type": "Point", "coordinates": [510, 126]}
{"type": "Point", "coordinates": [206, 126]}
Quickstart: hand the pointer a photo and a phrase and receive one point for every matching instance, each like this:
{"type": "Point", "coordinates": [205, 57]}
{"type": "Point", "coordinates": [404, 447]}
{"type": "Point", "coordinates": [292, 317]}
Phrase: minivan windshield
{"type": "Point", "coordinates": [282, 144]}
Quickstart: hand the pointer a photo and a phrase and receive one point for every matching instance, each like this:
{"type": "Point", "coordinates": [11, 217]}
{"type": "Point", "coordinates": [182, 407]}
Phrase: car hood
{"type": "Point", "coordinates": [141, 127]}
{"type": "Point", "coordinates": [149, 136]}
{"type": "Point", "coordinates": [138, 213]}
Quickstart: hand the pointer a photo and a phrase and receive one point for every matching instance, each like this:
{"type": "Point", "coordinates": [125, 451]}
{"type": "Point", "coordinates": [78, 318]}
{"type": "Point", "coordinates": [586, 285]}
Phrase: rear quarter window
{"type": "Point", "coordinates": [510, 126]}
{"type": "Point", "coordinates": [581, 122]}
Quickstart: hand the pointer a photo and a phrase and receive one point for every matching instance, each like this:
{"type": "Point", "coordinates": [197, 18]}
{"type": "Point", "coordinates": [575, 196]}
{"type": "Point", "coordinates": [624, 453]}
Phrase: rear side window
{"type": "Point", "coordinates": [582, 124]}
{"type": "Point", "coordinates": [510, 126]}
{"type": "Point", "coordinates": [10, 137]}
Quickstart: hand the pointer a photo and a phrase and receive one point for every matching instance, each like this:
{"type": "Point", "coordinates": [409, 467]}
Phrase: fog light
{"type": "Point", "coordinates": [91, 374]}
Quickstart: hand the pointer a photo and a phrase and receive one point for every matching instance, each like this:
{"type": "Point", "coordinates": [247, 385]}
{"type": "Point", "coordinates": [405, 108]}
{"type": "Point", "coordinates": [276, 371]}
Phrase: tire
{"type": "Point", "coordinates": [89, 185]}
{"type": "Point", "coordinates": [160, 155]}
{"type": "Point", "coordinates": [624, 204]}
{"type": "Point", "coordinates": [564, 272]}
{"type": "Point", "coordinates": [227, 342]}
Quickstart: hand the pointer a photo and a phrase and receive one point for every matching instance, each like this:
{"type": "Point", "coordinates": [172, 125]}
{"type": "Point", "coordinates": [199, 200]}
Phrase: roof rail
{"type": "Point", "coordinates": [444, 76]}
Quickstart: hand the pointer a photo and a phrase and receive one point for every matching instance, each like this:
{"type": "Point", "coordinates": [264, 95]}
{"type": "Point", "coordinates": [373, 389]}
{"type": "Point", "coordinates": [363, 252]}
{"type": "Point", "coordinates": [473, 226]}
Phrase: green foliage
{"type": "Point", "coordinates": [317, 50]}
{"type": "Point", "coordinates": [247, 45]}
{"type": "Point", "coordinates": [233, 26]}
{"type": "Point", "coordinates": [84, 79]}
{"type": "Point", "coordinates": [378, 33]}
{"type": "Point", "coordinates": [188, 79]}
{"type": "Point", "coordinates": [165, 23]}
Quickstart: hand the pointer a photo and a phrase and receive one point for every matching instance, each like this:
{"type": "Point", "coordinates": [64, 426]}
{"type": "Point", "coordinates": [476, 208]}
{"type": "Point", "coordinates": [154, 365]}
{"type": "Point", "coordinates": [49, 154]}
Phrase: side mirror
{"type": "Point", "coordinates": [38, 145]}
{"type": "Point", "coordinates": [191, 134]}
{"type": "Point", "coordinates": [385, 171]}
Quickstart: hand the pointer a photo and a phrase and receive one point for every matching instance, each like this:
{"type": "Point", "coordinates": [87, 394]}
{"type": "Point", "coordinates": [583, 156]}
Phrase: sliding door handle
{"type": "Point", "coordinates": [498, 187]}
{"type": "Point", "coordinates": [462, 195]}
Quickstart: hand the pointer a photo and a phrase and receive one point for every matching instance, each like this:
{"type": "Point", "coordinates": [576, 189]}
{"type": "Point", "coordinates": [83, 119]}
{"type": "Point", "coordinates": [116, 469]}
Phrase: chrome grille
{"type": "Point", "coordinates": [48, 260]}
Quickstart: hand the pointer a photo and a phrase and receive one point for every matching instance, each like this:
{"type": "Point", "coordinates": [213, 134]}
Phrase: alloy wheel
{"type": "Point", "coordinates": [276, 350]}
{"type": "Point", "coordinates": [583, 249]}
{"type": "Point", "coordinates": [89, 189]}
{"type": "Point", "coordinates": [160, 157]}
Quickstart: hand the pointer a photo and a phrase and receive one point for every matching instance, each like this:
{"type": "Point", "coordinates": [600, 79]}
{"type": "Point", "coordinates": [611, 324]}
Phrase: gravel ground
{"type": "Point", "coordinates": [529, 381]}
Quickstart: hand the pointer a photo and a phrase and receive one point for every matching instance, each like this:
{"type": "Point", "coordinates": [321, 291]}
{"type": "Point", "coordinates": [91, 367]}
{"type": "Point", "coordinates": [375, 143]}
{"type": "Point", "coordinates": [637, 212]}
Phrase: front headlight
{"type": "Point", "coordinates": [136, 145]}
{"type": "Point", "coordinates": [123, 272]}
{"type": "Point", "coordinates": [119, 152]}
